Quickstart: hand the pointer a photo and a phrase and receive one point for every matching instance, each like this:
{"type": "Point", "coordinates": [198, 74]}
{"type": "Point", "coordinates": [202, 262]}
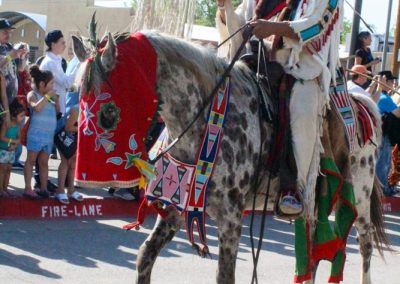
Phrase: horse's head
{"type": "Point", "coordinates": [100, 58]}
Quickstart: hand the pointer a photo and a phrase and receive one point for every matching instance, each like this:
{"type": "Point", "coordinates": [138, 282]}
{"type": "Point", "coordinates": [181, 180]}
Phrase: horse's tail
{"type": "Point", "coordinates": [380, 237]}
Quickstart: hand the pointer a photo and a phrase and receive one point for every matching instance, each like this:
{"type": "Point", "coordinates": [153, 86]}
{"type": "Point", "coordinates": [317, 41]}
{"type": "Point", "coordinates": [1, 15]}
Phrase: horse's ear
{"type": "Point", "coordinates": [79, 49]}
{"type": "Point", "coordinates": [109, 56]}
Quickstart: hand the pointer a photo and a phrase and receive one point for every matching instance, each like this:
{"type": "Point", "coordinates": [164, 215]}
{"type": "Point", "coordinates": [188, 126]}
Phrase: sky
{"type": "Point", "coordinates": [375, 13]}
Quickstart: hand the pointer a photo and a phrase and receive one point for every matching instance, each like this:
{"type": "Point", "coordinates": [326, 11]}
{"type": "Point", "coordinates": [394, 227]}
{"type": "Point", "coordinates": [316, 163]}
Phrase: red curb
{"type": "Point", "coordinates": [391, 204]}
{"type": "Point", "coordinates": [98, 207]}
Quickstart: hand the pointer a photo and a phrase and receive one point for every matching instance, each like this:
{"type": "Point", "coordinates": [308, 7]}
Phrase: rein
{"type": "Point", "coordinates": [213, 93]}
{"type": "Point", "coordinates": [257, 179]}
{"type": "Point", "coordinates": [373, 79]}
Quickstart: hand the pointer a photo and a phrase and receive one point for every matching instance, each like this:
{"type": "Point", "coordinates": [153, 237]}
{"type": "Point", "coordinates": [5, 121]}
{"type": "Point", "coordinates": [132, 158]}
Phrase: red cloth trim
{"type": "Point", "coordinates": [133, 94]}
{"type": "Point", "coordinates": [275, 11]}
{"type": "Point", "coordinates": [142, 213]}
{"type": "Point", "coordinates": [308, 276]}
{"type": "Point", "coordinates": [327, 250]}
{"type": "Point", "coordinates": [335, 279]}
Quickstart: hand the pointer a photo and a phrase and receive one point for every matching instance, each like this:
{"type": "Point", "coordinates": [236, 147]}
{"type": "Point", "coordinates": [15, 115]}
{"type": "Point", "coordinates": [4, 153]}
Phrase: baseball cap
{"type": "Point", "coordinates": [388, 74]}
{"type": "Point", "coordinates": [360, 69]}
{"type": "Point", "coordinates": [52, 37]}
{"type": "Point", "coordinates": [5, 24]}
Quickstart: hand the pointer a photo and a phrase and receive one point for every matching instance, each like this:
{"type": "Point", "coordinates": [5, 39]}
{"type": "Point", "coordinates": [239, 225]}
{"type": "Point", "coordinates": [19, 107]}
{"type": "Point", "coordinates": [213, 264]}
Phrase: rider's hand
{"type": "Point", "coordinates": [262, 28]}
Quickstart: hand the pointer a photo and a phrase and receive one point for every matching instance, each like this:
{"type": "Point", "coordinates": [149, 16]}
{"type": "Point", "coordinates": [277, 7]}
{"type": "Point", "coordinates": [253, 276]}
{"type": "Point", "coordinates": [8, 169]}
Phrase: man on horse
{"type": "Point", "coordinates": [311, 39]}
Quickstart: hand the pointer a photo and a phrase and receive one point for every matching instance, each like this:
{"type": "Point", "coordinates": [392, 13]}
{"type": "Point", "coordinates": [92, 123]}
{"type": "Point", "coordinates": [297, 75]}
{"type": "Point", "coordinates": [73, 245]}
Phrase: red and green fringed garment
{"type": "Point", "coordinates": [329, 242]}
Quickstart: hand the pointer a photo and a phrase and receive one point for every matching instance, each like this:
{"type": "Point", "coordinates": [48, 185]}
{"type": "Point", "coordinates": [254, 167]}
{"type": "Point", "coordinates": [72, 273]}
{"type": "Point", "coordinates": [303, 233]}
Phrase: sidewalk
{"type": "Point", "coordinates": [97, 203]}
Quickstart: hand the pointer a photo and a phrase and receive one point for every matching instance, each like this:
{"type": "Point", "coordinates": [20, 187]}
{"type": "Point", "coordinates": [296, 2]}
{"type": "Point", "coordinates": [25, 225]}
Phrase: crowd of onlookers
{"type": "Point", "coordinates": [381, 88]}
{"type": "Point", "coordinates": [40, 92]}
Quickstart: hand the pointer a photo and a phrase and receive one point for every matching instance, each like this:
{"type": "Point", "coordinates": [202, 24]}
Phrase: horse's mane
{"type": "Point", "coordinates": [201, 61]}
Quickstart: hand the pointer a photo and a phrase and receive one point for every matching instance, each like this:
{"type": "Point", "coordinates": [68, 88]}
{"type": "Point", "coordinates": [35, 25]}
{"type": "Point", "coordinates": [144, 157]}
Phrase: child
{"type": "Point", "coordinates": [44, 105]}
{"type": "Point", "coordinates": [9, 140]}
{"type": "Point", "coordinates": [66, 170]}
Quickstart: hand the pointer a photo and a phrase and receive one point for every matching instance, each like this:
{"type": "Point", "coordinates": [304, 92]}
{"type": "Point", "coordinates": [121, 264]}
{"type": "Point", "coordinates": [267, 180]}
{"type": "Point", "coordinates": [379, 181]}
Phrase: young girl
{"type": "Point", "coordinates": [66, 170]}
{"type": "Point", "coordinates": [44, 105]}
{"type": "Point", "coordinates": [363, 52]}
{"type": "Point", "coordinates": [9, 140]}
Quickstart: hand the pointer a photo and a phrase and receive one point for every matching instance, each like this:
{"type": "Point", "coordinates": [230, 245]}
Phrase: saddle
{"type": "Point", "coordinates": [275, 87]}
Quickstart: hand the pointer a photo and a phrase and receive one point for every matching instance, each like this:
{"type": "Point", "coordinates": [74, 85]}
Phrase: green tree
{"type": "Point", "coordinates": [206, 10]}
{"type": "Point", "coordinates": [346, 30]}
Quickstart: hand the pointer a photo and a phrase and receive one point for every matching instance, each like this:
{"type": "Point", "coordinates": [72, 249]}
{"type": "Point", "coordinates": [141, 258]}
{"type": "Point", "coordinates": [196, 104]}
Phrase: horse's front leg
{"type": "Point", "coordinates": [162, 233]}
{"type": "Point", "coordinates": [229, 230]}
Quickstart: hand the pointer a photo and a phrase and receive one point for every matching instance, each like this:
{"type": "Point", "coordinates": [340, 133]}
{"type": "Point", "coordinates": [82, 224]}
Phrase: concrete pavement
{"type": "Point", "coordinates": [98, 251]}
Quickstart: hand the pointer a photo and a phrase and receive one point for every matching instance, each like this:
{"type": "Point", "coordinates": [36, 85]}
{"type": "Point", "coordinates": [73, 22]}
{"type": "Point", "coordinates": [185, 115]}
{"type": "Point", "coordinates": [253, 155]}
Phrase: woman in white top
{"type": "Point", "coordinates": [53, 62]}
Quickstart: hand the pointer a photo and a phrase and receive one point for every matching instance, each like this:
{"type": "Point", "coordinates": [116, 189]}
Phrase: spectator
{"type": "Point", "coordinates": [373, 91]}
{"type": "Point", "coordinates": [44, 105]}
{"type": "Point", "coordinates": [9, 140]}
{"type": "Point", "coordinates": [389, 110]}
{"type": "Point", "coordinates": [24, 87]}
{"type": "Point", "coordinates": [363, 52]}
{"type": "Point", "coordinates": [7, 66]}
{"type": "Point", "coordinates": [53, 63]}
{"type": "Point", "coordinates": [66, 170]}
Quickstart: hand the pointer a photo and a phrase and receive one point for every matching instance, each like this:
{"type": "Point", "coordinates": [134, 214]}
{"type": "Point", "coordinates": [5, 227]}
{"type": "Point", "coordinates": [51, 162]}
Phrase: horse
{"type": "Point", "coordinates": [186, 73]}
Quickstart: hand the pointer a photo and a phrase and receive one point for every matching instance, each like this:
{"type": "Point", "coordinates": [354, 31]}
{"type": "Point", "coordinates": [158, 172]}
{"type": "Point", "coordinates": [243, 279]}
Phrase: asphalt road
{"type": "Point", "coordinates": [98, 251]}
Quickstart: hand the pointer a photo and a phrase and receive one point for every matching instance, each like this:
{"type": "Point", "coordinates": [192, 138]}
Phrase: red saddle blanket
{"type": "Point", "coordinates": [113, 123]}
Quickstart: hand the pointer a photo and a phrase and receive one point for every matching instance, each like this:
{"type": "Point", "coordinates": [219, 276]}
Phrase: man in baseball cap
{"type": "Point", "coordinates": [8, 74]}
{"type": "Point", "coordinates": [359, 78]}
{"type": "Point", "coordinates": [5, 24]}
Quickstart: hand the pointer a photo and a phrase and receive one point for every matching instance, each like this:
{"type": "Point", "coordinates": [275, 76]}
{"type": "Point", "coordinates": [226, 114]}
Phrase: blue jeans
{"type": "Point", "coordinates": [384, 163]}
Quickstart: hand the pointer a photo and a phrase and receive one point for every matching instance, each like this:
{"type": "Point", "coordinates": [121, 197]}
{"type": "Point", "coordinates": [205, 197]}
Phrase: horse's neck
{"type": "Point", "coordinates": [182, 98]}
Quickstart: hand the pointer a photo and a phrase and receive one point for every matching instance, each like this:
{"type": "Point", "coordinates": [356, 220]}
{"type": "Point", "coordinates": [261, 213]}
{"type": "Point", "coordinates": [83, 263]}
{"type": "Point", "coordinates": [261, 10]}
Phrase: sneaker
{"type": "Point", "coordinates": [43, 193]}
{"type": "Point", "coordinates": [18, 166]}
{"type": "Point", "coordinates": [124, 194]}
{"type": "Point", "coordinates": [290, 205]}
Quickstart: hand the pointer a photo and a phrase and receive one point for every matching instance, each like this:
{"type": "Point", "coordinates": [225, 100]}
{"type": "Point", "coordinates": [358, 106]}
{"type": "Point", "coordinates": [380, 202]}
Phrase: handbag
{"type": "Point", "coordinates": [66, 142]}
{"type": "Point", "coordinates": [24, 132]}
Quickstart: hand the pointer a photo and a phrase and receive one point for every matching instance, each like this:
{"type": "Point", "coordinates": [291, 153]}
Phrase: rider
{"type": "Point", "coordinates": [311, 39]}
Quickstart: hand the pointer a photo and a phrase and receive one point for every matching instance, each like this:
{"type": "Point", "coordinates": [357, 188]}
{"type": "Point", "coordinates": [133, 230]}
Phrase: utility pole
{"type": "Point", "coordinates": [395, 62]}
{"type": "Point", "coordinates": [385, 46]}
{"type": "Point", "coordinates": [355, 30]}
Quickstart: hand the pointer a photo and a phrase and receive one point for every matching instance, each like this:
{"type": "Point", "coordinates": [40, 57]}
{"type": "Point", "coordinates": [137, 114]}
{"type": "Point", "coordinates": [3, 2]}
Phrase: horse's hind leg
{"type": "Point", "coordinates": [363, 171]}
{"type": "Point", "coordinates": [229, 231]}
{"type": "Point", "coordinates": [162, 233]}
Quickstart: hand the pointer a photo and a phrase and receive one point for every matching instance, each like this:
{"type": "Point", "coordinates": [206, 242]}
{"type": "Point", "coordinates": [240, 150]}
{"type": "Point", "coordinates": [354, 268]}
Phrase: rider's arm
{"type": "Point", "coordinates": [228, 20]}
{"type": "Point", "coordinates": [313, 22]}
{"type": "Point", "coordinates": [307, 27]}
